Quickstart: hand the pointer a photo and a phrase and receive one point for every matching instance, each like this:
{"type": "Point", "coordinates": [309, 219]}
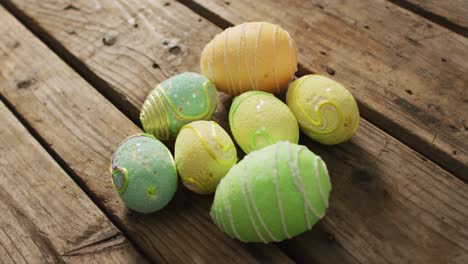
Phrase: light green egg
{"type": "Point", "coordinates": [273, 194]}
{"type": "Point", "coordinates": [258, 119]}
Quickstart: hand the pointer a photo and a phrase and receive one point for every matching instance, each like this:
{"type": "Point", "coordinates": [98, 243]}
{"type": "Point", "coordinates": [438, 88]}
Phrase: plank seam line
{"type": "Point", "coordinates": [102, 87]}
{"type": "Point", "coordinates": [43, 143]}
{"type": "Point", "coordinates": [54, 46]}
{"type": "Point", "coordinates": [372, 116]}
{"type": "Point", "coordinates": [73, 62]}
{"type": "Point", "coordinates": [437, 19]}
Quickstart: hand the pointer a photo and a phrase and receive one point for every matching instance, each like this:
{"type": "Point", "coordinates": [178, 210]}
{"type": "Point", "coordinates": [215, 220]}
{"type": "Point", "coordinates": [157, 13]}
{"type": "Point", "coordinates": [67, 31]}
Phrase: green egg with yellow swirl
{"type": "Point", "coordinates": [176, 102]}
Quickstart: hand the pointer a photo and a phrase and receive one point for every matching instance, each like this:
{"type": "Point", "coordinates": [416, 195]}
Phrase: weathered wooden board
{"type": "Point", "coordinates": [145, 41]}
{"type": "Point", "coordinates": [380, 212]}
{"type": "Point", "coordinates": [455, 11]}
{"type": "Point", "coordinates": [45, 217]}
{"type": "Point", "coordinates": [408, 74]}
{"type": "Point", "coordinates": [389, 204]}
{"type": "Point", "coordinates": [82, 129]}
{"type": "Point", "coordinates": [393, 61]}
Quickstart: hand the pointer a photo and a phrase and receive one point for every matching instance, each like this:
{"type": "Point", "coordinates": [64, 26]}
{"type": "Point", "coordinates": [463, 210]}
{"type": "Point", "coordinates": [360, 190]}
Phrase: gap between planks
{"type": "Point", "coordinates": [438, 19]}
{"type": "Point", "coordinates": [433, 17]}
{"type": "Point", "coordinates": [86, 73]}
{"type": "Point", "coordinates": [95, 82]}
{"type": "Point", "coordinates": [124, 105]}
{"type": "Point", "coordinates": [371, 115]}
{"type": "Point", "coordinates": [43, 143]}
{"type": "Point", "coordinates": [385, 123]}
{"type": "Point", "coordinates": [251, 253]}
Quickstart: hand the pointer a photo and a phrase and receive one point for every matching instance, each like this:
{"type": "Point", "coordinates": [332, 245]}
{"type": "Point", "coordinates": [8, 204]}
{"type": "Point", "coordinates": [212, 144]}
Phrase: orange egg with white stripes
{"type": "Point", "coordinates": [251, 56]}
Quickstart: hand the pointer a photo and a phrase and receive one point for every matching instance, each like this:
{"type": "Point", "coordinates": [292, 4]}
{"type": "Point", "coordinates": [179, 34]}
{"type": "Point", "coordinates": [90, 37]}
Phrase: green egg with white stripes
{"type": "Point", "coordinates": [273, 194]}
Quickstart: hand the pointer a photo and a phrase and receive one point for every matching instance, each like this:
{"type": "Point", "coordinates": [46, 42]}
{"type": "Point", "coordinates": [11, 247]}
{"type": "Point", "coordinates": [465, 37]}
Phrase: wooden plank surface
{"type": "Point", "coordinates": [389, 204]}
{"type": "Point", "coordinates": [153, 41]}
{"type": "Point", "coordinates": [455, 11]}
{"type": "Point", "coordinates": [408, 74]}
{"type": "Point", "coordinates": [45, 217]}
{"type": "Point", "coordinates": [82, 128]}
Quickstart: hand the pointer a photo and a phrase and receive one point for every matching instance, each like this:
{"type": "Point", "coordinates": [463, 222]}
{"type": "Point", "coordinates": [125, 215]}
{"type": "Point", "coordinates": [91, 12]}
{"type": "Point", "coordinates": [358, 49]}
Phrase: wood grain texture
{"type": "Point", "coordinates": [45, 217]}
{"type": "Point", "coordinates": [82, 128]}
{"type": "Point", "coordinates": [150, 41]}
{"type": "Point", "coordinates": [379, 213]}
{"type": "Point", "coordinates": [407, 74]}
{"type": "Point", "coordinates": [389, 204]}
{"type": "Point", "coordinates": [455, 11]}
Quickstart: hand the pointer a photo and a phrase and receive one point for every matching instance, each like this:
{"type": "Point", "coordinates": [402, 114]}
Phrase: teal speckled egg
{"type": "Point", "coordinates": [143, 173]}
{"type": "Point", "coordinates": [273, 194]}
{"type": "Point", "coordinates": [178, 101]}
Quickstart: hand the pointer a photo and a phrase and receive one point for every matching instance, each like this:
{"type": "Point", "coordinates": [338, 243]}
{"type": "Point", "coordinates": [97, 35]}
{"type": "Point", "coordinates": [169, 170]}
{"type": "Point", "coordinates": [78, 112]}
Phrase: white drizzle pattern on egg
{"type": "Point", "coordinates": [275, 34]}
{"type": "Point", "coordinates": [254, 213]}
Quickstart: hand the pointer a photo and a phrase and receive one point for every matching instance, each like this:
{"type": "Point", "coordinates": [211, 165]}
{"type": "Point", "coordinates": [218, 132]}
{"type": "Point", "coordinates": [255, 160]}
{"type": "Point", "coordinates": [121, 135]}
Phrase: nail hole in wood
{"type": "Point", "coordinates": [176, 50]}
{"type": "Point", "coordinates": [110, 38]}
{"type": "Point", "coordinates": [23, 84]}
{"type": "Point", "coordinates": [454, 128]}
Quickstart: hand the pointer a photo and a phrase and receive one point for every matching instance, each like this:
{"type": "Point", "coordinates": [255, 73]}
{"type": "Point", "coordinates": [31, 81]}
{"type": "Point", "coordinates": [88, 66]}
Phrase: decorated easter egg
{"type": "Point", "coordinates": [258, 119]}
{"type": "Point", "coordinates": [251, 56]}
{"type": "Point", "coordinates": [273, 194]}
{"type": "Point", "coordinates": [143, 173]}
{"type": "Point", "coordinates": [325, 110]}
{"type": "Point", "coordinates": [177, 101]}
{"type": "Point", "coordinates": [204, 153]}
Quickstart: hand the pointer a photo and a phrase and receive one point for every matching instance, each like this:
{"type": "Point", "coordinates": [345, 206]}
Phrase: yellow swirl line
{"type": "Point", "coordinates": [196, 185]}
{"type": "Point", "coordinates": [188, 118]}
{"type": "Point", "coordinates": [225, 148]}
{"type": "Point", "coordinates": [319, 110]}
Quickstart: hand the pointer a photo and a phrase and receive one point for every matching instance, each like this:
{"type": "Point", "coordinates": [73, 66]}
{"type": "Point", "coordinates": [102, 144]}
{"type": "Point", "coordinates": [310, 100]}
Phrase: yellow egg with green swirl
{"type": "Point", "coordinates": [326, 110]}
